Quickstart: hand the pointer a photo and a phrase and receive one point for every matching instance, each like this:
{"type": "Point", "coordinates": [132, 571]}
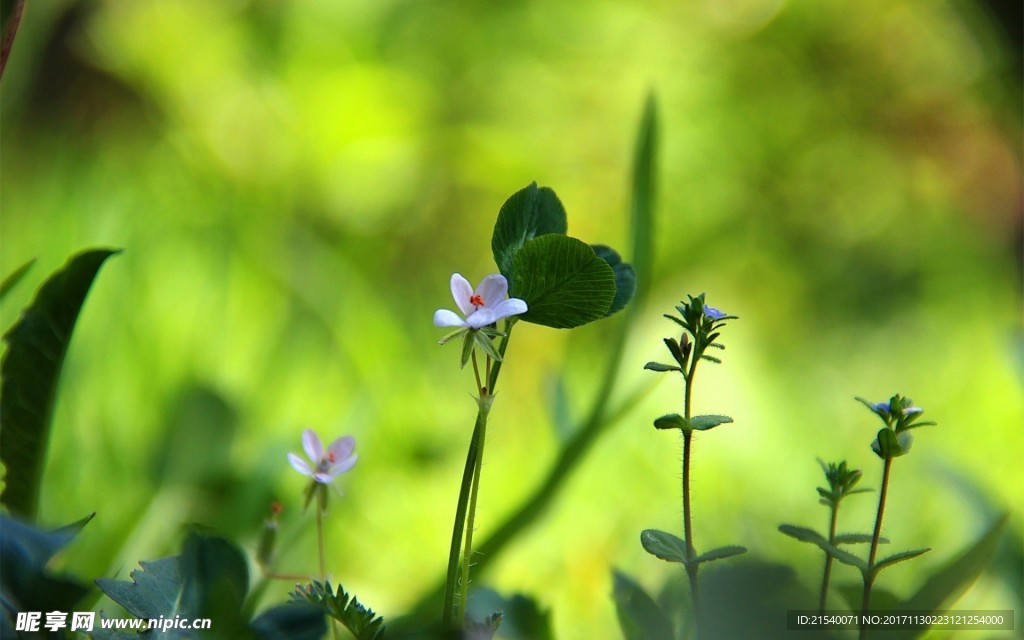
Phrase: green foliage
{"type": "Point", "coordinates": [696, 423]}
{"type": "Point", "coordinates": [640, 617]}
{"type": "Point", "coordinates": [209, 579]}
{"type": "Point", "coordinates": [26, 583]}
{"type": "Point", "coordinates": [36, 347]}
{"type": "Point", "coordinates": [564, 283]}
{"type": "Point", "coordinates": [360, 620]}
{"type": "Point", "coordinates": [14, 278]}
{"type": "Point", "coordinates": [521, 617]}
{"type": "Point", "coordinates": [528, 213]}
{"type": "Point", "coordinates": [625, 277]}
{"type": "Point", "coordinates": [664, 545]}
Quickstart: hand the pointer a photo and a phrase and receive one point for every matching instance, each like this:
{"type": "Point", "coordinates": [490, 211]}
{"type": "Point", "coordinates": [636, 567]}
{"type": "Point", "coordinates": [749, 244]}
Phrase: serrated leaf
{"type": "Point", "coordinates": [36, 347]}
{"type": "Point", "coordinates": [640, 617]}
{"type": "Point", "coordinates": [720, 553]}
{"type": "Point", "coordinates": [209, 579]}
{"type": "Point", "coordinates": [528, 213]}
{"type": "Point", "coordinates": [563, 282]}
{"type": "Point", "coordinates": [803, 534]}
{"type": "Point", "coordinates": [661, 368]}
{"type": "Point", "coordinates": [845, 557]}
{"type": "Point", "coordinates": [885, 563]}
{"type": "Point", "coordinates": [664, 545]}
{"type": "Point", "coordinates": [703, 423]}
{"type": "Point", "coordinates": [625, 277]}
{"type": "Point", "coordinates": [14, 278]}
{"type": "Point", "coordinates": [672, 421]}
{"type": "Point", "coordinates": [360, 620]}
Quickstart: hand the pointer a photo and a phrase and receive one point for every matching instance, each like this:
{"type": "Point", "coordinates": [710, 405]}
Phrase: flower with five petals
{"type": "Point", "coordinates": [481, 307]}
{"type": "Point", "coordinates": [327, 465]}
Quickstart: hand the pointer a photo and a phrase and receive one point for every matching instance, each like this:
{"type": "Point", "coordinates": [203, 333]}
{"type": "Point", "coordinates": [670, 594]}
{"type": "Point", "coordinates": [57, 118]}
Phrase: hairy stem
{"type": "Point", "coordinates": [869, 575]}
{"type": "Point", "coordinates": [827, 573]}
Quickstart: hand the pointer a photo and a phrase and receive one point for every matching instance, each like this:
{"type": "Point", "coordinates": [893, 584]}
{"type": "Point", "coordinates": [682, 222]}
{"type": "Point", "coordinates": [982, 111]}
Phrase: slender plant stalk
{"type": "Point", "coordinates": [827, 574]}
{"type": "Point", "coordinates": [467, 552]}
{"type": "Point", "coordinates": [465, 510]}
{"type": "Point", "coordinates": [869, 575]}
{"type": "Point", "coordinates": [691, 569]}
{"type": "Point", "coordinates": [320, 505]}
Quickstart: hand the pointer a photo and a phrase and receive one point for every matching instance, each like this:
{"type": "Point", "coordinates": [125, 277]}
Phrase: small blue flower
{"type": "Point", "coordinates": [714, 313]}
{"type": "Point", "coordinates": [881, 408]}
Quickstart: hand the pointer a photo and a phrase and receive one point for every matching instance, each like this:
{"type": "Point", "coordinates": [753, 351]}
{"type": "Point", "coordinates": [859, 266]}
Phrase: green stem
{"type": "Point", "coordinates": [470, 478]}
{"type": "Point", "coordinates": [321, 506]}
{"type": "Point", "coordinates": [691, 569]}
{"type": "Point", "coordinates": [827, 574]}
{"type": "Point", "coordinates": [467, 552]}
{"type": "Point", "coordinates": [869, 575]}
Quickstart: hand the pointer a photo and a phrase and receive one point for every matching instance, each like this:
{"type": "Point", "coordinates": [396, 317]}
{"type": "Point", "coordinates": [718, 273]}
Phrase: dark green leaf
{"type": "Point", "coordinates": [155, 590]}
{"type": "Point", "coordinates": [672, 421]}
{"type": "Point", "coordinates": [944, 586]}
{"type": "Point", "coordinates": [897, 557]}
{"type": "Point", "coordinates": [644, 193]}
{"type": "Point", "coordinates": [845, 557]}
{"type": "Point", "coordinates": [521, 617]}
{"type": "Point", "coordinates": [528, 213]}
{"type": "Point", "coordinates": [292, 621]}
{"type": "Point", "coordinates": [803, 534]}
{"type": "Point", "coordinates": [703, 423]}
{"type": "Point", "coordinates": [657, 366]}
{"type": "Point", "coordinates": [563, 282]}
{"type": "Point", "coordinates": [664, 545]}
{"type": "Point", "coordinates": [26, 584]}
{"type": "Point", "coordinates": [640, 618]}
{"type": "Point", "coordinates": [625, 277]}
{"type": "Point", "coordinates": [720, 553]}
{"type": "Point", "coordinates": [358, 619]}
{"type": "Point", "coordinates": [36, 346]}
{"type": "Point", "coordinates": [12, 280]}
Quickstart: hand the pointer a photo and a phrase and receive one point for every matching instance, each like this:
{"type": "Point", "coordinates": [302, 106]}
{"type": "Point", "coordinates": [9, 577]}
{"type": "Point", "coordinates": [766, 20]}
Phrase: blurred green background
{"type": "Point", "coordinates": [294, 182]}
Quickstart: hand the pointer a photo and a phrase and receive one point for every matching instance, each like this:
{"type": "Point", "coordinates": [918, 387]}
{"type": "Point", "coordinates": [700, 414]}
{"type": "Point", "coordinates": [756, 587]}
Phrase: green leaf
{"type": "Point", "coordinates": [803, 534]}
{"type": "Point", "coordinates": [521, 616]}
{"type": "Point", "coordinates": [640, 617]}
{"type": "Point", "coordinates": [36, 346]}
{"type": "Point", "coordinates": [26, 584]}
{"type": "Point", "coordinates": [720, 553]}
{"type": "Point", "coordinates": [845, 557]}
{"type": "Point", "coordinates": [947, 584]}
{"type": "Point", "coordinates": [361, 621]}
{"type": "Point", "coordinates": [897, 557]}
{"type": "Point", "coordinates": [672, 421]}
{"type": "Point", "coordinates": [486, 345]}
{"type": "Point", "coordinates": [644, 193]}
{"type": "Point", "coordinates": [527, 214]}
{"type": "Point", "coordinates": [625, 277]}
{"type": "Point", "coordinates": [657, 366]}
{"type": "Point", "coordinates": [12, 280]}
{"type": "Point", "coordinates": [209, 579]}
{"type": "Point", "coordinates": [703, 423]}
{"type": "Point", "coordinates": [664, 545]}
{"type": "Point", "coordinates": [856, 538]}
{"type": "Point", "coordinates": [292, 621]}
{"type": "Point", "coordinates": [563, 282]}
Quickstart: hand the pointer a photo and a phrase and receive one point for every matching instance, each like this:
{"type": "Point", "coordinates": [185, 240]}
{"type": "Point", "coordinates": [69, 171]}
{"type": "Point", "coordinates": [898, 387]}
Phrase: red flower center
{"type": "Point", "coordinates": [476, 300]}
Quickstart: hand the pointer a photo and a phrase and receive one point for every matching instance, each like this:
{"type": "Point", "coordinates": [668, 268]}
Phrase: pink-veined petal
{"type": "Point", "coordinates": [493, 290]}
{"type": "Point", "coordinates": [343, 466]}
{"type": "Point", "coordinates": [312, 446]}
{"type": "Point", "coordinates": [461, 292]}
{"type": "Point", "coordinates": [342, 448]}
{"type": "Point", "coordinates": [446, 318]}
{"type": "Point", "coordinates": [480, 318]}
{"type": "Point", "coordinates": [299, 465]}
{"type": "Point", "coordinates": [510, 307]}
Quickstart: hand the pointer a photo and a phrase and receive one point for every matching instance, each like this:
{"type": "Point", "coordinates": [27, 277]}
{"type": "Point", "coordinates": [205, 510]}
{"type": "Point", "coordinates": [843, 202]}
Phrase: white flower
{"type": "Point", "coordinates": [482, 307]}
{"type": "Point", "coordinates": [327, 465]}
